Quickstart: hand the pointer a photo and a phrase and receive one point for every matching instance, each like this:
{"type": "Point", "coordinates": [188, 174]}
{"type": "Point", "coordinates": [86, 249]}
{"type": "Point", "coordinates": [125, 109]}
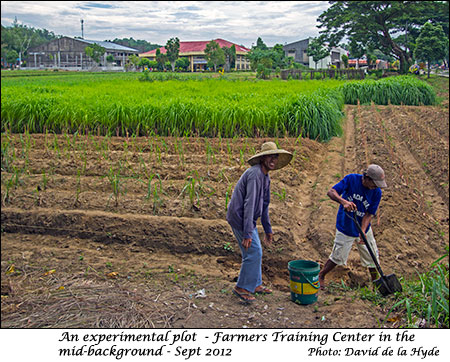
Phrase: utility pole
{"type": "Point", "coordinates": [82, 33]}
{"type": "Point", "coordinates": [406, 36]}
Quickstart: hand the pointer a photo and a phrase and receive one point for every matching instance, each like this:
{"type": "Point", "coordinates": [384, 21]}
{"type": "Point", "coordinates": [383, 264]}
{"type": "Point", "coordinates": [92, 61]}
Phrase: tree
{"type": "Point", "coordinates": [345, 60]}
{"type": "Point", "coordinates": [141, 45]}
{"type": "Point", "coordinates": [11, 57]}
{"type": "Point", "coordinates": [160, 59]}
{"type": "Point", "coordinates": [380, 55]}
{"type": "Point", "coordinates": [431, 45]}
{"type": "Point", "coordinates": [278, 56]}
{"type": "Point", "coordinates": [316, 50]}
{"type": "Point", "coordinates": [371, 60]}
{"type": "Point", "coordinates": [214, 54]}
{"type": "Point", "coordinates": [144, 62]}
{"type": "Point", "coordinates": [375, 23]}
{"type": "Point", "coordinates": [262, 71]}
{"type": "Point", "coordinates": [183, 63]}
{"type": "Point", "coordinates": [261, 45]}
{"type": "Point", "coordinates": [134, 60]}
{"type": "Point", "coordinates": [95, 52]}
{"type": "Point", "coordinates": [20, 38]}
{"type": "Point", "coordinates": [357, 50]}
{"type": "Point", "coordinates": [289, 61]}
{"type": "Point", "coordinates": [172, 51]}
{"type": "Point", "coordinates": [255, 56]}
{"type": "Point", "coordinates": [230, 57]}
{"type": "Point", "coordinates": [270, 57]}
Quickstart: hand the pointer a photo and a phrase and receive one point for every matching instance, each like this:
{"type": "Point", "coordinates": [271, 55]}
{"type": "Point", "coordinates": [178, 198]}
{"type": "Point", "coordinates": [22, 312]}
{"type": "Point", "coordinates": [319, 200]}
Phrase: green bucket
{"type": "Point", "coordinates": [304, 275]}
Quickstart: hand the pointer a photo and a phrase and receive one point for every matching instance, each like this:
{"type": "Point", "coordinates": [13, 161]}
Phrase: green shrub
{"type": "Point", "coordinates": [406, 90]}
{"type": "Point", "coordinates": [375, 73]}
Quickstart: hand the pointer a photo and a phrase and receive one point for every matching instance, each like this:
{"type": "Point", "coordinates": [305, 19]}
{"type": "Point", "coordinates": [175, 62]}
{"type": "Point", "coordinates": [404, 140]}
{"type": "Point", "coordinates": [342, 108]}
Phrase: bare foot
{"type": "Point", "coordinates": [263, 290]}
{"type": "Point", "coordinates": [321, 282]}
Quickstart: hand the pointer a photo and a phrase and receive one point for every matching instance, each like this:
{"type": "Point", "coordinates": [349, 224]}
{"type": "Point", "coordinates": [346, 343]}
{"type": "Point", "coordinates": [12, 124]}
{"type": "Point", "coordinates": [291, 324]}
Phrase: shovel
{"type": "Point", "coordinates": [386, 284]}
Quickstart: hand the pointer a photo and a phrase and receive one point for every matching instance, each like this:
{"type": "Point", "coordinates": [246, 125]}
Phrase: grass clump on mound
{"type": "Point", "coordinates": [406, 90]}
{"type": "Point", "coordinates": [425, 302]}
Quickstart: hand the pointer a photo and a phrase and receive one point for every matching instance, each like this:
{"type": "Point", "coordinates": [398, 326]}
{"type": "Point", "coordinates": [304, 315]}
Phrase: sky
{"type": "Point", "coordinates": [241, 22]}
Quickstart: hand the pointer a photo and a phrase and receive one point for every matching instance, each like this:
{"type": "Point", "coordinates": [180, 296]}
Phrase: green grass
{"type": "Point", "coordinates": [407, 90]}
{"type": "Point", "coordinates": [424, 301]}
{"type": "Point", "coordinates": [440, 86]}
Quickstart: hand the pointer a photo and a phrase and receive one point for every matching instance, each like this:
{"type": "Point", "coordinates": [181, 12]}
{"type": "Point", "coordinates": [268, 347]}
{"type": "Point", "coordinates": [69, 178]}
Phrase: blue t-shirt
{"type": "Point", "coordinates": [366, 200]}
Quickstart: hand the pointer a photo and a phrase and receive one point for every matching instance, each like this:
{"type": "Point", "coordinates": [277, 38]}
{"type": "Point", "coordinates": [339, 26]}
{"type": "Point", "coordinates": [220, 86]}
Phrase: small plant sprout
{"type": "Point", "coordinates": [281, 195]}
{"type": "Point", "coordinates": [194, 187]}
{"type": "Point", "coordinates": [155, 191]}
{"type": "Point", "coordinates": [44, 180]}
{"type": "Point", "coordinates": [228, 247]}
{"type": "Point", "coordinates": [116, 180]}
{"type": "Point", "coordinates": [78, 190]}
{"type": "Point", "coordinates": [227, 197]}
{"type": "Point", "coordinates": [210, 154]}
{"type": "Point", "coordinates": [241, 157]}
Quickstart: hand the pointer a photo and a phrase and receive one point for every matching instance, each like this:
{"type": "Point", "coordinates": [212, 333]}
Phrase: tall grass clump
{"type": "Point", "coordinates": [406, 90]}
{"type": "Point", "coordinates": [425, 302]}
{"type": "Point", "coordinates": [317, 115]}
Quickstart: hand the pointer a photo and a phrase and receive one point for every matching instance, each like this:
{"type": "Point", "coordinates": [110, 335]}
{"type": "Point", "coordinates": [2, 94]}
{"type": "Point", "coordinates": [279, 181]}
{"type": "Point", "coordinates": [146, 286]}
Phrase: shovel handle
{"type": "Point", "coordinates": [372, 254]}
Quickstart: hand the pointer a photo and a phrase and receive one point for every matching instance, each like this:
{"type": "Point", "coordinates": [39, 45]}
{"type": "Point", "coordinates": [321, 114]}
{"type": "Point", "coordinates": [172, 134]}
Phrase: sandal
{"type": "Point", "coordinates": [246, 297]}
{"type": "Point", "coordinates": [263, 290]}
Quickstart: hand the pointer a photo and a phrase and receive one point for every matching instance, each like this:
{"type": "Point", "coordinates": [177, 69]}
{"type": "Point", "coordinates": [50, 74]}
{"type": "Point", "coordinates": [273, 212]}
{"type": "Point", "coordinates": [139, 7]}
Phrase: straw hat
{"type": "Point", "coordinates": [270, 148]}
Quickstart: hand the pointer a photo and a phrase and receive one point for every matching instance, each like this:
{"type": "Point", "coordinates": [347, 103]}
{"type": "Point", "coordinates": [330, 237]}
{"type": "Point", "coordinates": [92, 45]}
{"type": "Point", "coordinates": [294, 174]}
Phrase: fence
{"type": "Point", "coordinates": [330, 73]}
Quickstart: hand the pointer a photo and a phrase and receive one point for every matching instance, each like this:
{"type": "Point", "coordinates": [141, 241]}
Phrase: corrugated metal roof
{"type": "Point", "coordinates": [109, 45]}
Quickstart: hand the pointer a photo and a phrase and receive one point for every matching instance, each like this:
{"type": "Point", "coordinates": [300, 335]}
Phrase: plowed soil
{"type": "Point", "coordinates": [131, 232]}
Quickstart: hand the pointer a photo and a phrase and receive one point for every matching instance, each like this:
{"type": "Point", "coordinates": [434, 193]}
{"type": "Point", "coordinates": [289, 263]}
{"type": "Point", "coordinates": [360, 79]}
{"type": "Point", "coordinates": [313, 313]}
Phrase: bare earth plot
{"type": "Point", "coordinates": [116, 232]}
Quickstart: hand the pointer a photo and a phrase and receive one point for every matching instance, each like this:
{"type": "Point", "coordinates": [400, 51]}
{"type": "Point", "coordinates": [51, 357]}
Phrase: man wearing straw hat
{"type": "Point", "coordinates": [250, 201]}
{"type": "Point", "coordinates": [360, 194]}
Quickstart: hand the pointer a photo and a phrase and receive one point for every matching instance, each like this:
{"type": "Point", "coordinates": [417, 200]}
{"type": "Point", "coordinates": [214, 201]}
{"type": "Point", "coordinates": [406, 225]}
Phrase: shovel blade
{"type": "Point", "coordinates": [388, 285]}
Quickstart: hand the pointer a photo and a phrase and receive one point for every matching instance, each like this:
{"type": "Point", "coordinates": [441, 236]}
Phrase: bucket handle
{"type": "Point", "coordinates": [311, 284]}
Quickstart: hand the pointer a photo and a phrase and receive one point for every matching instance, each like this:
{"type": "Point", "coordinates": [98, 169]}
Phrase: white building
{"type": "Point", "coordinates": [297, 50]}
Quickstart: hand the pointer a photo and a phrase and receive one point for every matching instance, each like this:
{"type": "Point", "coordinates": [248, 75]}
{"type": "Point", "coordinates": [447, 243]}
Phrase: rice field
{"type": "Point", "coordinates": [204, 107]}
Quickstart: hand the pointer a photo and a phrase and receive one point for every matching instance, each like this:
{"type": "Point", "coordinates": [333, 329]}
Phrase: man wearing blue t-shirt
{"type": "Point", "coordinates": [360, 194]}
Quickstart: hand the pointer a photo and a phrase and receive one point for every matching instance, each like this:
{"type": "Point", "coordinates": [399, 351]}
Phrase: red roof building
{"type": "Point", "coordinates": [195, 52]}
{"type": "Point", "coordinates": [361, 62]}
{"type": "Point", "coordinates": [379, 64]}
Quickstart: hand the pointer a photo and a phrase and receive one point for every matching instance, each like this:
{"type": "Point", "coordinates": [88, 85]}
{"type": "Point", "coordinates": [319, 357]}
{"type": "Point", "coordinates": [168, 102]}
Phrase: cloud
{"type": "Point", "coordinates": [98, 4]}
{"type": "Point", "coordinates": [241, 22]}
